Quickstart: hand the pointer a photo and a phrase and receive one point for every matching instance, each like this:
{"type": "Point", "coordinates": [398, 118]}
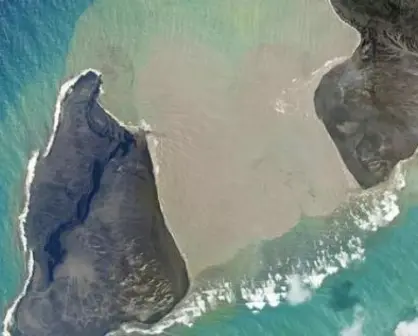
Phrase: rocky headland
{"type": "Point", "coordinates": [368, 104]}
{"type": "Point", "coordinates": [102, 252]}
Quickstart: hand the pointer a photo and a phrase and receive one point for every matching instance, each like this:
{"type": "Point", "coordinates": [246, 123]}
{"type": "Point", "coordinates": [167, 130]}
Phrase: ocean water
{"type": "Point", "coordinates": [350, 273]}
{"type": "Point", "coordinates": [34, 40]}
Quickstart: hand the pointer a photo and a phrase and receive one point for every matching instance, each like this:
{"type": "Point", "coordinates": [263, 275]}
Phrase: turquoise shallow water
{"type": "Point", "coordinates": [375, 290]}
{"type": "Point", "coordinates": [33, 40]}
{"type": "Point", "coordinates": [370, 297]}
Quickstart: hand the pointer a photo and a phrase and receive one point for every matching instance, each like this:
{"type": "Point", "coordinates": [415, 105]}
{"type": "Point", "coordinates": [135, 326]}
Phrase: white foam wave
{"type": "Point", "coordinates": [64, 90]}
{"type": "Point", "coordinates": [298, 291]}
{"type": "Point", "coordinates": [356, 329]}
{"type": "Point", "coordinates": [328, 65]}
{"type": "Point", "coordinates": [282, 102]}
{"type": "Point", "coordinates": [407, 328]}
{"type": "Point", "coordinates": [297, 286]}
{"type": "Point", "coordinates": [306, 276]}
{"type": "Point", "coordinates": [8, 319]}
{"type": "Point", "coordinates": [256, 295]}
{"type": "Point", "coordinates": [145, 126]}
{"type": "Point", "coordinates": [153, 145]}
{"type": "Point", "coordinates": [278, 288]}
{"type": "Point", "coordinates": [381, 212]}
{"type": "Point", "coordinates": [30, 174]}
{"type": "Point", "coordinates": [381, 208]}
{"type": "Point", "coordinates": [194, 306]}
{"type": "Point", "coordinates": [398, 181]}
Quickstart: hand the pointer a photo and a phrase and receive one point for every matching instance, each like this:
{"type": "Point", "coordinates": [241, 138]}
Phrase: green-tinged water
{"type": "Point", "coordinates": [33, 42]}
{"type": "Point", "coordinates": [118, 37]}
{"type": "Point", "coordinates": [369, 297]}
{"type": "Point", "coordinates": [348, 273]}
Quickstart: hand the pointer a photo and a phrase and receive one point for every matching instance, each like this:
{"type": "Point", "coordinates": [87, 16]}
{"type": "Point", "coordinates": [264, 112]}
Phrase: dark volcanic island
{"type": "Point", "coordinates": [102, 252]}
{"type": "Point", "coordinates": [368, 104]}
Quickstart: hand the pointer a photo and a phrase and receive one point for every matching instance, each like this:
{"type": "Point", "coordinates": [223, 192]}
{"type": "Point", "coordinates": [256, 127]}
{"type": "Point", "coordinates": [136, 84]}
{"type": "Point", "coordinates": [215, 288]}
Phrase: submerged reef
{"type": "Point", "coordinates": [102, 252]}
{"type": "Point", "coordinates": [368, 104]}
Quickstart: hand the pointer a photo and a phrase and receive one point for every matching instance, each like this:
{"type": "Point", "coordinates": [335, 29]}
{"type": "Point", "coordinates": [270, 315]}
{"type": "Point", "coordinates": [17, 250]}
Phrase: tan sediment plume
{"type": "Point", "coordinates": [234, 167]}
{"type": "Point", "coordinates": [229, 84]}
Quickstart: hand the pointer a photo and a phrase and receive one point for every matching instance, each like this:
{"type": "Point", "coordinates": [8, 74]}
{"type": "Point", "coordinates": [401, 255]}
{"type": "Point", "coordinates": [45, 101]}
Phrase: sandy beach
{"type": "Point", "coordinates": [241, 153]}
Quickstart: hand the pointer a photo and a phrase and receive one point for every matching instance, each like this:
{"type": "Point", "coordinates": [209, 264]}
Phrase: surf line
{"type": "Point", "coordinates": [8, 319]}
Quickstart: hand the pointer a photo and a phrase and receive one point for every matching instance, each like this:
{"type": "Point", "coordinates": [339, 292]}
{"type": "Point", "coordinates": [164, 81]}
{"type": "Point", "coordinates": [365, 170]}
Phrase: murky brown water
{"type": "Point", "coordinates": [230, 91]}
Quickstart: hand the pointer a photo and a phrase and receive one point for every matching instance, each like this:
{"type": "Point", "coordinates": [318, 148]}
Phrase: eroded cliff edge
{"type": "Point", "coordinates": [369, 103]}
{"type": "Point", "coordinates": [102, 252]}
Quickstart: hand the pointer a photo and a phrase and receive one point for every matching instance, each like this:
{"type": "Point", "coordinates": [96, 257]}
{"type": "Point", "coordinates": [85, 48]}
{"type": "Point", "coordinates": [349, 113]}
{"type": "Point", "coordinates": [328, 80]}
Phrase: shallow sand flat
{"type": "Point", "coordinates": [230, 90]}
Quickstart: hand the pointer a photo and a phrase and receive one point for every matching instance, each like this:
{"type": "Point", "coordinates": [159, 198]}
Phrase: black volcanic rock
{"type": "Point", "coordinates": [369, 103]}
{"type": "Point", "coordinates": [103, 255]}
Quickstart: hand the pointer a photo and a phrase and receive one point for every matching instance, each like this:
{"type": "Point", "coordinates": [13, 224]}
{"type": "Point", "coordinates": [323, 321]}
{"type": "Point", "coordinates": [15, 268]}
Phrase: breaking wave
{"type": "Point", "coordinates": [293, 281]}
{"type": "Point", "coordinates": [9, 318]}
{"type": "Point", "coordinates": [356, 329]}
{"type": "Point", "coordinates": [289, 281]}
{"type": "Point", "coordinates": [407, 328]}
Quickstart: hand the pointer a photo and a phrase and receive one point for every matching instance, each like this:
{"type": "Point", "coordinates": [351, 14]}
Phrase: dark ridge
{"type": "Point", "coordinates": [103, 254]}
{"type": "Point", "coordinates": [368, 103]}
